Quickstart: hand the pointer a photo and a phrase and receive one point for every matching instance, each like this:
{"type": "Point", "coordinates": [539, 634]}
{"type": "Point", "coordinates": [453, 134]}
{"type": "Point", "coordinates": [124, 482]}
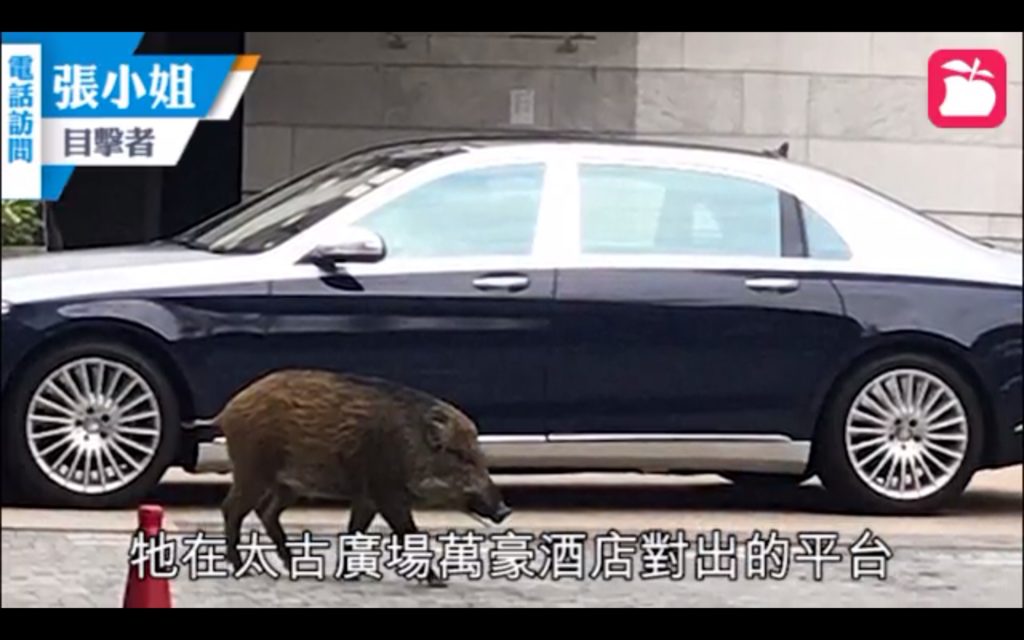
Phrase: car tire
{"type": "Point", "coordinates": [105, 424]}
{"type": "Point", "coordinates": [900, 450]}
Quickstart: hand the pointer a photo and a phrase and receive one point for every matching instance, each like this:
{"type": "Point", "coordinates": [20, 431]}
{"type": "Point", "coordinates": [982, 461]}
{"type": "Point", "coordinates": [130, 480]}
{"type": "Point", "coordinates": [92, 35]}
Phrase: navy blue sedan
{"type": "Point", "coordinates": [593, 304]}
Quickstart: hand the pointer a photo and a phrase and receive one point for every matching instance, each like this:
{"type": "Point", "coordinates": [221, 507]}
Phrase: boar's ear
{"type": "Point", "coordinates": [436, 428]}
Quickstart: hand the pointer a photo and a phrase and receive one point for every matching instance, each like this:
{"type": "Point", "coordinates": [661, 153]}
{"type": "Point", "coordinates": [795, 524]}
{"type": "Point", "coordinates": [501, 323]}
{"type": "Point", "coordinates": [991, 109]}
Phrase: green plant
{"type": "Point", "coordinates": [22, 223]}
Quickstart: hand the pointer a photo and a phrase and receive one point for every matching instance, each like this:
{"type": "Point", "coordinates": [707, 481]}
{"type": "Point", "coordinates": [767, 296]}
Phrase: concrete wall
{"type": "Point", "coordinates": [852, 102]}
{"type": "Point", "coordinates": [318, 95]}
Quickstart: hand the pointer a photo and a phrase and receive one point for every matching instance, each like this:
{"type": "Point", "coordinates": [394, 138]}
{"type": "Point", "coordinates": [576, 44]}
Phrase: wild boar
{"type": "Point", "coordinates": [382, 446]}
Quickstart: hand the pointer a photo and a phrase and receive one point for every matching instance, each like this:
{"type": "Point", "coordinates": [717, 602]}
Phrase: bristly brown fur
{"type": "Point", "coordinates": [383, 446]}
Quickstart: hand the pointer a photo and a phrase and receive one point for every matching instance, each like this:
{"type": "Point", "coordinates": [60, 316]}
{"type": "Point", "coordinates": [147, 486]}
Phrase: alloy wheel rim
{"type": "Point", "coordinates": [907, 434]}
{"type": "Point", "coordinates": [93, 426]}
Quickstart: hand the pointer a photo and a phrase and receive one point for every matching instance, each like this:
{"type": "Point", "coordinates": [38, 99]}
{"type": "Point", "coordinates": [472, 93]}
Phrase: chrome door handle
{"type": "Point", "coordinates": [781, 285]}
{"type": "Point", "coordinates": [510, 283]}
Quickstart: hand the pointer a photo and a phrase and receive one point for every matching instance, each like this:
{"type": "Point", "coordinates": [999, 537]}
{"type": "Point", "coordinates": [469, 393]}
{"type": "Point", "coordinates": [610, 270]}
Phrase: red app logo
{"type": "Point", "coordinates": [967, 88]}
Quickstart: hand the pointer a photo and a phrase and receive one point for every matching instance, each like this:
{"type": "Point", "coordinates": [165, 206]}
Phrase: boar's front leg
{"type": "Point", "coordinates": [398, 515]}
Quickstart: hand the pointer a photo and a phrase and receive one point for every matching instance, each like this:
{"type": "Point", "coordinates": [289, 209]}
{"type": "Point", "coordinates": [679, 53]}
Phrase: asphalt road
{"type": "Point", "coordinates": [596, 552]}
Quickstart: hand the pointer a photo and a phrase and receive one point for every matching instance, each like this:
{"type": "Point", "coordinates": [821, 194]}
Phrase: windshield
{"type": "Point", "coordinates": [279, 213]}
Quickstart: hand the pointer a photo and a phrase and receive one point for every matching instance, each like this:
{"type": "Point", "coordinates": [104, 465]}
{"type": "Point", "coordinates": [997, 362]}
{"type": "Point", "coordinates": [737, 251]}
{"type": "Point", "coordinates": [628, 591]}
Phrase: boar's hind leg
{"type": "Point", "coordinates": [363, 513]}
{"type": "Point", "coordinates": [279, 498]}
{"type": "Point", "coordinates": [241, 499]}
{"type": "Point", "coordinates": [399, 518]}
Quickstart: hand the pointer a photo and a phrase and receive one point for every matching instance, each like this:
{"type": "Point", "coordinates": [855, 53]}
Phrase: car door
{"type": "Point", "coordinates": [460, 307]}
{"type": "Point", "coordinates": [685, 310]}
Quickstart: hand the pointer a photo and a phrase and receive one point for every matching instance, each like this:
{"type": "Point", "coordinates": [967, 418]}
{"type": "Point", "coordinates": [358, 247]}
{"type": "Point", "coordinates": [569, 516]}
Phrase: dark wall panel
{"type": "Point", "coordinates": [111, 206]}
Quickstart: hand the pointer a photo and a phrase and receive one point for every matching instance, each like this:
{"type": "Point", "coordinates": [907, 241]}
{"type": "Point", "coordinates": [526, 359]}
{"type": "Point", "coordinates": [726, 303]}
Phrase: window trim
{"type": "Point", "coordinates": [794, 231]}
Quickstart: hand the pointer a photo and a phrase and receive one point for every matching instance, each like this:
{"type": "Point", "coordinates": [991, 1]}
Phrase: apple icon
{"type": "Point", "coordinates": [970, 96]}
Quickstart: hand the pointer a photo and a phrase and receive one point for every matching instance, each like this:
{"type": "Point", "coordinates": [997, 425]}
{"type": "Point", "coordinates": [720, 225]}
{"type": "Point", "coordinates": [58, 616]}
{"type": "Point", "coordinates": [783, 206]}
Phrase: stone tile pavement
{"type": "Point", "coordinates": [79, 569]}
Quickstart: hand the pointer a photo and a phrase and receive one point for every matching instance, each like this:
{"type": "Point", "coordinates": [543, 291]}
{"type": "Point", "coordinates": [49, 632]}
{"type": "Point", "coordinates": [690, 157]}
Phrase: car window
{"type": "Point", "coordinates": [481, 212]}
{"type": "Point", "coordinates": [823, 241]}
{"type": "Point", "coordinates": [283, 211]}
{"type": "Point", "coordinates": [646, 210]}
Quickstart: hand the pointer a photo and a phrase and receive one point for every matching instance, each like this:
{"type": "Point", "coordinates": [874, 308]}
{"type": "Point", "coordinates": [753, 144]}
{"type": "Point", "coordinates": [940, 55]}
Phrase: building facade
{"type": "Point", "coordinates": [850, 102]}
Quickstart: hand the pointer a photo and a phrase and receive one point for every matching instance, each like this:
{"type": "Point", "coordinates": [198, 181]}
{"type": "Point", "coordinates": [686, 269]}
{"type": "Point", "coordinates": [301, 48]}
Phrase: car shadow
{"type": "Point", "coordinates": [567, 496]}
{"type": "Point", "coordinates": [563, 497]}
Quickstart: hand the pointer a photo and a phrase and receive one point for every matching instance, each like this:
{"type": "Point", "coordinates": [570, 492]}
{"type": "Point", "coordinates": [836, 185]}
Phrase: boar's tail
{"type": "Point", "coordinates": [218, 421]}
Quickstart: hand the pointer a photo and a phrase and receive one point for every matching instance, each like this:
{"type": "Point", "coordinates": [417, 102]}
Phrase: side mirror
{"type": "Point", "coordinates": [356, 245]}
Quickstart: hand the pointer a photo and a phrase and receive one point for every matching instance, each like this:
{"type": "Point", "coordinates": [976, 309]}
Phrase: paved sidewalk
{"type": "Point", "coordinates": [67, 569]}
{"type": "Point", "coordinates": [969, 557]}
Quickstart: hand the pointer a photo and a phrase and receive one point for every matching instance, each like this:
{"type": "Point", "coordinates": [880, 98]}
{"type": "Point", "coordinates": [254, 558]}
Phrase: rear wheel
{"type": "Point", "coordinates": [90, 425]}
{"type": "Point", "coordinates": [903, 435]}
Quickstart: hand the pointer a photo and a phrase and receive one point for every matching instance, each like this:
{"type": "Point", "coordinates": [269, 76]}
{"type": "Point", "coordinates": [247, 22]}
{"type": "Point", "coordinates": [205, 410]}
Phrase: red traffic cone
{"type": "Point", "coordinates": [147, 591]}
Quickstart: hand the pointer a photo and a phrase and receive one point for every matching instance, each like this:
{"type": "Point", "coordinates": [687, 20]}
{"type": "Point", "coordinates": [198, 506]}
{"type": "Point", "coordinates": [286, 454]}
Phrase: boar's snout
{"type": "Point", "coordinates": [496, 513]}
{"type": "Point", "coordinates": [501, 513]}
{"type": "Point", "coordinates": [490, 505]}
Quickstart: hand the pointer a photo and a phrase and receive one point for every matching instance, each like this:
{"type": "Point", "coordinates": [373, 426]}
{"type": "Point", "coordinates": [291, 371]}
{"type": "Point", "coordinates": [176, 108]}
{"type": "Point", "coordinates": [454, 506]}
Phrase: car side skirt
{"type": "Point", "coordinates": [650, 453]}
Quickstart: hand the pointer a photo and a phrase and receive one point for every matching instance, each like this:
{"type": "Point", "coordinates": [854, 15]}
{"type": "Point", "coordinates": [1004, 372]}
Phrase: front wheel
{"type": "Point", "coordinates": [90, 425]}
{"type": "Point", "coordinates": [903, 435]}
